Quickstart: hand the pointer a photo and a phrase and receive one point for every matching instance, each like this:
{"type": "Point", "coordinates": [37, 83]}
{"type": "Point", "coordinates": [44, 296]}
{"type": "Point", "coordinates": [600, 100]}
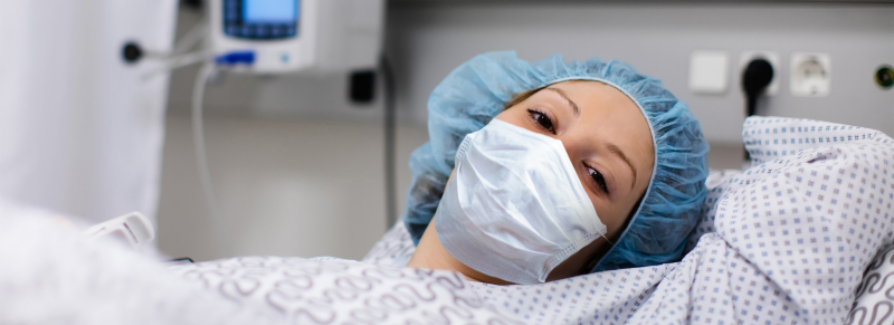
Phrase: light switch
{"type": "Point", "coordinates": [708, 72]}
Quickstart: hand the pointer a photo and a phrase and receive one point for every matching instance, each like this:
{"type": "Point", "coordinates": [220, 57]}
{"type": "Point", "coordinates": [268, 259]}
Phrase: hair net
{"type": "Point", "coordinates": [476, 91]}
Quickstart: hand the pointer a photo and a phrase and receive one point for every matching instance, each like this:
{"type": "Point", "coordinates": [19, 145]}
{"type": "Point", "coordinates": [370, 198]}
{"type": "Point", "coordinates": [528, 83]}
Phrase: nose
{"type": "Point", "coordinates": [572, 147]}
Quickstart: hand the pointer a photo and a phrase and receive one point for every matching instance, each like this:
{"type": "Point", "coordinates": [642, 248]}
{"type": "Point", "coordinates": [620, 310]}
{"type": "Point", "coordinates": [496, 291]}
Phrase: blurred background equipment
{"type": "Point", "coordinates": [293, 35]}
{"type": "Point", "coordinates": [132, 229]}
{"type": "Point", "coordinates": [80, 132]}
{"type": "Point", "coordinates": [275, 37]}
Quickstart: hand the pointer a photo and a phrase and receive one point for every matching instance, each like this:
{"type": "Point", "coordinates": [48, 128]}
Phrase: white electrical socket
{"type": "Point", "coordinates": [811, 74]}
{"type": "Point", "coordinates": [770, 56]}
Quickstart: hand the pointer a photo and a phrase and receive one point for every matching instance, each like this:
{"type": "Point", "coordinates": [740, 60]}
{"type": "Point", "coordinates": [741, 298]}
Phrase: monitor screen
{"type": "Point", "coordinates": [270, 11]}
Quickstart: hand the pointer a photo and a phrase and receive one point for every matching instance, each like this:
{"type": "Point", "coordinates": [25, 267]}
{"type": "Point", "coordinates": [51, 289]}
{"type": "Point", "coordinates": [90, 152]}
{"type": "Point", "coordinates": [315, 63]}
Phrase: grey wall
{"type": "Point", "coordinates": [427, 41]}
{"type": "Point", "coordinates": [298, 168]}
{"type": "Point", "coordinates": [284, 187]}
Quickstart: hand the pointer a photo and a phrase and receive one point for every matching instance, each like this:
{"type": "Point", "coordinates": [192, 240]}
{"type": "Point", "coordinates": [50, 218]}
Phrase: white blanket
{"type": "Point", "coordinates": [51, 274]}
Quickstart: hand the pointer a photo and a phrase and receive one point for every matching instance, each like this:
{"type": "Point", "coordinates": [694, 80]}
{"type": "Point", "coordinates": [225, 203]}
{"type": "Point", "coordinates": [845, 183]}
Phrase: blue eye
{"type": "Point", "coordinates": [543, 120]}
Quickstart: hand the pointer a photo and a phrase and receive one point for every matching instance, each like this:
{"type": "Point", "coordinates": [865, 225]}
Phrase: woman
{"type": "Point", "coordinates": [635, 153]}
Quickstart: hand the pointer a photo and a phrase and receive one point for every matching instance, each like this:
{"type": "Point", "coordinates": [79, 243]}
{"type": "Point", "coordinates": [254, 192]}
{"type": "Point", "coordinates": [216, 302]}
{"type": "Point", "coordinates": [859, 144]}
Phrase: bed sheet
{"type": "Point", "coordinates": [328, 290]}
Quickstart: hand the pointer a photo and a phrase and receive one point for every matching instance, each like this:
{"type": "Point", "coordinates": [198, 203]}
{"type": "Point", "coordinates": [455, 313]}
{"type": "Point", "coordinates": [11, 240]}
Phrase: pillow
{"type": "Point", "coordinates": [717, 183]}
{"type": "Point", "coordinates": [768, 139]}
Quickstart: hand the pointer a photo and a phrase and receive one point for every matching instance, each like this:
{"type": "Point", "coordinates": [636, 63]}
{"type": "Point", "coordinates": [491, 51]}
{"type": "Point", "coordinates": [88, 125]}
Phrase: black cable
{"type": "Point", "coordinates": [193, 4]}
{"type": "Point", "coordinates": [757, 76]}
{"type": "Point", "coordinates": [755, 79]}
{"type": "Point", "coordinates": [390, 173]}
{"type": "Point", "coordinates": [183, 259]}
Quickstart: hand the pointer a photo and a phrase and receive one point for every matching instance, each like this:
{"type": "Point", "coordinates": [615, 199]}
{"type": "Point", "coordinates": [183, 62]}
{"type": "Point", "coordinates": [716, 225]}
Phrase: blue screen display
{"type": "Point", "coordinates": [270, 11]}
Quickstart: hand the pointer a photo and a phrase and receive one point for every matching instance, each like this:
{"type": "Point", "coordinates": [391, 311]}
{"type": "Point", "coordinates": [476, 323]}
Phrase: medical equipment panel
{"type": "Point", "coordinates": [287, 36]}
{"type": "Point", "coordinates": [261, 19]}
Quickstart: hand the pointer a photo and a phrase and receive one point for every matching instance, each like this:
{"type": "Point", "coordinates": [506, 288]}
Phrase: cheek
{"type": "Point", "coordinates": [614, 216]}
{"type": "Point", "coordinates": [511, 116]}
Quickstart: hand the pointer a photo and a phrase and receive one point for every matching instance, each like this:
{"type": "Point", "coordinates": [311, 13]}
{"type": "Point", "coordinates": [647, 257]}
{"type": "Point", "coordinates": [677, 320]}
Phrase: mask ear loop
{"type": "Point", "coordinates": [596, 260]}
{"type": "Point", "coordinates": [608, 240]}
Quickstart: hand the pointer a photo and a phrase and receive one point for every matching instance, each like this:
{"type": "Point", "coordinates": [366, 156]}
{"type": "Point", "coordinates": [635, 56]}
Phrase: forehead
{"type": "Point", "coordinates": [609, 114]}
{"type": "Point", "coordinates": [598, 93]}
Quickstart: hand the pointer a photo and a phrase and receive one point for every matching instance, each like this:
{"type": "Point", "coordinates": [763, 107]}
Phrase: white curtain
{"type": "Point", "coordinates": [80, 132]}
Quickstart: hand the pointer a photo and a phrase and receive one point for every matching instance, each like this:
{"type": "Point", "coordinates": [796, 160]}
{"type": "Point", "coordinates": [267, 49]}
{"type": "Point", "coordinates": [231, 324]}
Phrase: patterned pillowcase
{"type": "Point", "coordinates": [875, 296]}
{"type": "Point", "coordinates": [717, 183]}
{"type": "Point", "coordinates": [768, 139]}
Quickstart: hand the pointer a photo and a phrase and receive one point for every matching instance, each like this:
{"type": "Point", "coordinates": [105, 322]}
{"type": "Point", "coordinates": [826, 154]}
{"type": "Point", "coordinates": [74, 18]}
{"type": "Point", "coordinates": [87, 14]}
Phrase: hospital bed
{"type": "Point", "coordinates": [786, 241]}
{"type": "Point", "coordinates": [783, 242]}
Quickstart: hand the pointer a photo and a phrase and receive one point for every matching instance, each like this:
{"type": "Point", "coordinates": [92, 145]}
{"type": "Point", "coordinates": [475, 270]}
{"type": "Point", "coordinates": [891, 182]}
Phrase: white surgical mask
{"type": "Point", "coordinates": [516, 207]}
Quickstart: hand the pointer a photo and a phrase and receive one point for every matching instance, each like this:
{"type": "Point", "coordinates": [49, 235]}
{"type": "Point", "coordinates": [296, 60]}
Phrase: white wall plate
{"type": "Point", "coordinates": [709, 72]}
{"type": "Point", "coordinates": [811, 74]}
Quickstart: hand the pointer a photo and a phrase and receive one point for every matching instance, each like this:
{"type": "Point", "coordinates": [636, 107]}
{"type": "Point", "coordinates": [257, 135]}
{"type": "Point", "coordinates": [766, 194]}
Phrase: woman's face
{"type": "Point", "coordinates": [609, 143]}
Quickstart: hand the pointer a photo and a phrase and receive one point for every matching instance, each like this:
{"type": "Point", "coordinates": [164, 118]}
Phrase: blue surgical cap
{"type": "Point", "coordinates": [476, 91]}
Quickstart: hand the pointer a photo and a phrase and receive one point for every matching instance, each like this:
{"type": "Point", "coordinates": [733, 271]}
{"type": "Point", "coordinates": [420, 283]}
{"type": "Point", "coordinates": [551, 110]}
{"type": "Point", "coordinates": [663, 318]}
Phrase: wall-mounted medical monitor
{"type": "Point", "coordinates": [261, 19]}
{"type": "Point", "coordinates": [291, 36]}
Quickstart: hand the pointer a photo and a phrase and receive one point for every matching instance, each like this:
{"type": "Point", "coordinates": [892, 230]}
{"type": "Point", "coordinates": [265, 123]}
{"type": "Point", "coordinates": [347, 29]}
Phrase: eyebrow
{"type": "Point", "coordinates": [570, 102]}
{"type": "Point", "coordinates": [613, 148]}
